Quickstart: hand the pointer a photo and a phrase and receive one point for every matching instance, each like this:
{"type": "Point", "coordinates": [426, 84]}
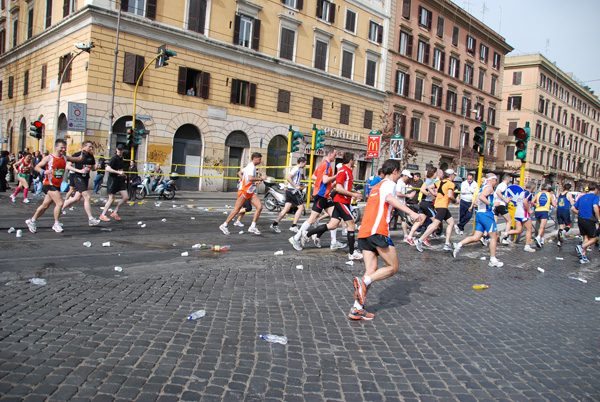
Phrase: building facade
{"type": "Point", "coordinates": [564, 119]}
{"type": "Point", "coordinates": [444, 79]}
{"type": "Point", "coordinates": [244, 73]}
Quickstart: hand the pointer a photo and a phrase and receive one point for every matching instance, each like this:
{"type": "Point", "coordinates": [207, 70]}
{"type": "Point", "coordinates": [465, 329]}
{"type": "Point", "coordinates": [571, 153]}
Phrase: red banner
{"type": "Point", "coordinates": [373, 146]}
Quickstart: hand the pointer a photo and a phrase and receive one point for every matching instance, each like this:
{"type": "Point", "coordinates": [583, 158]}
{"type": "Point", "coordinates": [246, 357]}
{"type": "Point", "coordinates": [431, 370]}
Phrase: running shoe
{"type": "Point", "coordinates": [457, 247]}
{"type": "Point", "coordinates": [316, 240]}
{"type": "Point", "coordinates": [529, 249]}
{"type": "Point", "coordinates": [579, 249]}
{"type": "Point", "coordinates": [357, 314]}
{"type": "Point", "coordinates": [255, 230]}
{"type": "Point", "coordinates": [584, 260]}
{"type": "Point", "coordinates": [345, 232]}
{"type": "Point", "coordinates": [57, 227]}
{"type": "Point", "coordinates": [426, 243]}
{"type": "Point", "coordinates": [356, 255]}
{"type": "Point", "coordinates": [360, 292]}
{"type": "Point", "coordinates": [294, 229]}
{"type": "Point", "coordinates": [31, 225]}
{"type": "Point", "coordinates": [222, 227]}
{"type": "Point", "coordinates": [419, 245]}
{"type": "Point", "coordinates": [506, 242]}
{"type": "Point", "coordinates": [303, 239]}
{"type": "Point", "coordinates": [13, 198]}
{"type": "Point", "coordinates": [238, 223]}
{"type": "Point", "coordinates": [568, 227]}
{"type": "Point", "coordinates": [561, 235]}
{"type": "Point", "coordinates": [495, 263]}
{"type": "Point", "coordinates": [559, 243]}
{"type": "Point", "coordinates": [410, 240]}
{"type": "Point", "coordinates": [104, 218]}
{"type": "Point", "coordinates": [447, 247]}
{"type": "Point", "coordinates": [115, 215]}
{"type": "Point", "coordinates": [483, 241]}
{"type": "Point", "coordinates": [462, 232]}
{"type": "Point", "coordinates": [336, 245]}
{"type": "Point", "coordinates": [274, 227]}
{"type": "Point", "coordinates": [538, 243]}
{"type": "Point", "coordinates": [93, 222]}
{"type": "Point", "coordinates": [295, 243]}
{"type": "Point", "coordinates": [456, 230]}
{"type": "Point", "coordinates": [25, 201]}
{"type": "Point", "coordinates": [434, 236]}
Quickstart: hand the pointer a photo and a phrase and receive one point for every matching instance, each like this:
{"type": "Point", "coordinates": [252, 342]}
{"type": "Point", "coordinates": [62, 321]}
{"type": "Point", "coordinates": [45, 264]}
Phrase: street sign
{"type": "Point", "coordinates": [3, 140]}
{"type": "Point", "coordinates": [77, 117]}
{"type": "Point", "coordinates": [373, 144]}
{"type": "Point", "coordinates": [129, 123]}
{"type": "Point", "coordinates": [396, 148]}
{"type": "Point", "coordinates": [144, 117]}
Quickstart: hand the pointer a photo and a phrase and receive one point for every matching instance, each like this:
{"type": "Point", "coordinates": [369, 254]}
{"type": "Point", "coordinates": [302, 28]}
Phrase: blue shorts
{"type": "Point", "coordinates": [522, 219]}
{"type": "Point", "coordinates": [563, 216]}
{"type": "Point", "coordinates": [541, 215]}
{"type": "Point", "coordinates": [485, 222]}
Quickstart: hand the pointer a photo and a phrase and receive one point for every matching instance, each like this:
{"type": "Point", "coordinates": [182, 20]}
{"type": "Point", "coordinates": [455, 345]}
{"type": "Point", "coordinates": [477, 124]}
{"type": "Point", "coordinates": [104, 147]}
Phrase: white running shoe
{"type": "Point", "coordinates": [294, 229]}
{"type": "Point", "coordinates": [303, 239]}
{"type": "Point", "coordinates": [93, 222]}
{"type": "Point", "coordinates": [275, 228]}
{"type": "Point", "coordinates": [337, 245]}
{"type": "Point", "coordinates": [456, 230]}
{"type": "Point", "coordinates": [224, 229]}
{"type": "Point", "coordinates": [25, 201]}
{"type": "Point", "coordinates": [238, 223]}
{"type": "Point", "coordinates": [495, 263]}
{"type": "Point", "coordinates": [506, 242]}
{"type": "Point", "coordinates": [529, 249]}
{"type": "Point", "coordinates": [13, 198]}
{"type": "Point", "coordinates": [254, 230]}
{"type": "Point", "coordinates": [447, 247]}
{"type": "Point", "coordinates": [295, 243]}
{"type": "Point", "coordinates": [357, 255]}
{"type": "Point", "coordinates": [316, 240]}
{"type": "Point", "coordinates": [31, 225]}
{"type": "Point", "coordinates": [457, 247]}
{"type": "Point", "coordinates": [57, 227]}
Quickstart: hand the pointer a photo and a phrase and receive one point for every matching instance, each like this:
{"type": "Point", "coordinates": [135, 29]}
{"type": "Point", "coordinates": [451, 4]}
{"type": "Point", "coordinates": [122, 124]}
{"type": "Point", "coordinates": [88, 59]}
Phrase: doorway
{"type": "Point", "coordinates": [236, 142]}
{"type": "Point", "coordinates": [187, 157]}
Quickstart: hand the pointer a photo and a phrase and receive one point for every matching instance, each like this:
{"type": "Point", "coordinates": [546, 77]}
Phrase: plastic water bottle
{"type": "Point", "coordinates": [87, 244]}
{"type": "Point", "coordinates": [197, 314]}
{"type": "Point", "coordinates": [37, 281]}
{"type": "Point", "coordinates": [480, 286]}
{"type": "Point", "coordinates": [220, 248]}
{"type": "Point", "coordinates": [275, 339]}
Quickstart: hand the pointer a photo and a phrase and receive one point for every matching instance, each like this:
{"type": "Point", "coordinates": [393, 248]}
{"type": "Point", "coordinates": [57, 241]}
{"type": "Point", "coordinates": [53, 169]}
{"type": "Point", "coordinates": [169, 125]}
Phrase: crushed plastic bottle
{"type": "Point", "coordinates": [37, 281]}
{"type": "Point", "coordinates": [163, 220]}
{"type": "Point", "coordinates": [19, 233]}
{"type": "Point", "coordinates": [221, 248]}
{"type": "Point", "coordinates": [200, 246]}
{"type": "Point", "coordinates": [119, 269]}
{"type": "Point", "coordinates": [480, 286]}
{"type": "Point", "coordinates": [542, 270]}
{"type": "Point", "coordinates": [193, 218]}
{"type": "Point", "coordinates": [185, 254]}
{"type": "Point", "coordinates": [143, 226]}
{"type": "Point", "coordinates": [578, 279]}
{"type": "Point", "coordinates": [299, 267]}
{"type": "Point", "coordinates": [106, 244]}
{"type": "Point", "coordinates": [11, 230]}
{"type": "Point", "coordinates": [280, 252]}
{"type": "Point", "coordinates": [275, 339]}
{"type": "Point", "coordinates": [197, 314]}
{"type": "Point", "coordinates": [87, 244]}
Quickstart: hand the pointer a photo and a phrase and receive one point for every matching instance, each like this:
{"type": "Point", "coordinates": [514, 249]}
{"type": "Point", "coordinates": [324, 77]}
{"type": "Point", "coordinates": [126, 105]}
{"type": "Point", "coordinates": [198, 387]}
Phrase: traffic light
{"type": "Point", "coordinates": [479, 139]}
{"type": "Point", "coordinates": [139, 136]}
{"type": "Point", "coordinates": [35, 129]}
{"type": "Point", "coordinates": [319, 139]}
{"type": "Point", "coordinates": [129, 142]}
{"type": "Point", "coordinates": [522, 137]}
{"type": "Point", "coordinates": [296, 136]}
{"type": "Point", "coordinates": [164, 55]}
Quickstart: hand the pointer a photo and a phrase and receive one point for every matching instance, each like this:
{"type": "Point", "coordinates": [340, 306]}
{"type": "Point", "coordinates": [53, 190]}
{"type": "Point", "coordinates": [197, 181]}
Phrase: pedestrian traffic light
{"type": "Point", "coordinates": [129, 142]}
{"type": "Point", "coordinates": [319, 139]}
{"type": "Point", "coordinates": [522, 137]}
{"type": "Point", "coordinates": [35, 129]}
{"type": "Point", "coordinates": [479, 139]}
{"type": "Point", "coordinates": [296, 136]}
{"type": "Point", "coordinates": [164, 55]}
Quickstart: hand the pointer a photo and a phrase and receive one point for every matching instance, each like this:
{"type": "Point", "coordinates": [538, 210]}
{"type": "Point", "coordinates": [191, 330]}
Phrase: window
{"type": "Point", "coordinates": [406, 44]}
{"type": "Point", "coordinates": [26, 82]}
{"type": "Point", "coordinates": [326, 11]}
{"type": "Point", "coordinates": [479, 111]}
{"type": "Point", "coordinates": [30, 22]}
{"type": "Point", "coordinates": [468, 78]}
{"type": "Point", "coordinates": [483, 53]}
{"type": "Point", "coordinates": [368, 123]}
{"type": "Point", "coordinates": [419, 89]}
{"type": "Point", "coordinates": [11, 86]}
{"type": "Point", "coordinates": [491, 116]}
{"type": "Point", "coordinates": [48, 13]}
{"type": "Point", "coordinates": [193, 82]}
{"type": "Point", "coordinates": [317, 108]}
{"type": "Point", "coordinates": [243, 93]}
{"type": "Point", "coordinates": [246, 31]}
{"type": "Point", "coordinates": [371, 77]}
{"type": "Point", "coordinates": [514, 103]}
{"type": "Point", "coordinates": [69, 6]}
{"type": "Point", "coordinates": [402, 83]}
{"type": "Point", "coordinates": [15, 30]}
{"type": "Point", "coordinates": [451, 99]}
{"type": "Point", "coordinates": [425, 17]}
{"type": "Point", "coordinates": [436, 95]}
{"type": "Point", "coordinates": [481, 79]}
{"type": "Point", "coordinates": [145, 8]}
{"type": "Point", "coordinates": [454, 69]}
{"type": "Point", "coordinates": [455, 34]}
{"type": "Point", "coordinates": [283, 101]}
{"type": "Point", "coordinates": [2, 41]}
{"type": "Point", "coordinates": [347, 63]}
{"type": "Point", "coordinates": [496, 63]}
{"type": "Point", "coordinates": [423, 52]}
{"type": "Point", "coordinates": [432, 129]}
{"type": "Point", "coordinates": [286, 48]}
{"type": "Point", "coordinates": [406, 9]}
{"type": "Point", "coordinates": [471, 45]}
{"type": "Point", "coordinates": [542, 80]}
{"type": "Point", "coordinates": [466, 107]}
{"type": "Point", "coordinates": [350, 24]}
{"type": "Point", "coordinates": [517, 77]}
{"type": "Point", "coordinates": [197, 15]}
{"type": "Point", "coordinates": [44, 74]}
{"type": "Point", "coordinates": [448, 136]}
{"type": "Point", "coordinates": [297, 4]}
{"type": "Point", "coordinates": [493, 86]}
{"type": "Point", "coordinates": [538, 130]}
{"type": "Point", "coordinates": [321, 55]}
{"type": "Point", "coordinates": [415, 127]}
{"type": "Point", "coordinates": [440, 27]}
{"type": "Point", "coordinates": [400, 124]}
{"type": "Point", "coordinates": [375, 32]}
{"type": "Point", "coordinates": [0, 90]}
{"type": "Point", "coordinates": [345, 114]}
{"type": "Point", "coordinates": [439, 59]}
{"type": "Point", "coordinates": [62, 67]}
{"type": "Point", "coordinates": [133, 66]}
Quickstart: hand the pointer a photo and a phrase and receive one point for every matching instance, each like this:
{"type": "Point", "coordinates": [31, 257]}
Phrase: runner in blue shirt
{"type": "Point", "coordinates": [589, 213]}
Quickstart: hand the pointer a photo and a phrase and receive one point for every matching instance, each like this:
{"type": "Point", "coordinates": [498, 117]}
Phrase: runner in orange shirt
{"type": "Point", "coordinates": [374, 236]}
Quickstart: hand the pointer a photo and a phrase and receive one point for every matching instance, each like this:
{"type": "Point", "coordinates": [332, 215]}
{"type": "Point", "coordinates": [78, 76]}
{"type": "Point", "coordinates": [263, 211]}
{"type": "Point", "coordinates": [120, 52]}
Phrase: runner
{"type": "Point", "coordinates": [543, 201]}
{"type": "Point", "coordinates": [522, 200]}
{"type": "Point", "coordinates": [323, 177]}
{"type": "Point", "coordinates": [402, 195]}
{"type": "Point", "coordinates": [374, 237]}
{"type": "Point", "coordinates": [246, 191]}
{"type": "Point", "coordinates": [589, 215]}
{"type": "Point", "coordinates": [467, 191]}
{"type": "Point", "coordinates": [293, 196]}
{"type": "Point", "coordinates": [563, 213]}
{"type": "Point", "coordinates": [484, 220]}
{"type": "Point", "coordinates": [445, 194]}
{"type": "Point", "coordinates": [115, 184]}
{"type": "Point", "coordinates": [55, 165]}
{"type": "Point", "coordinates": [23, 168]}
{"type": "Point", "coordinates": [426, 209]}
{"type": "Point", "coordinates": [500, 202]}
{"type": "Point", "coordinates": [80, 172]}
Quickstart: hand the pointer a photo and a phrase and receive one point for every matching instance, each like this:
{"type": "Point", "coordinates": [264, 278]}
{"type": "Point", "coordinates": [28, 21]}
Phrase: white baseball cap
{"type": "Point", "coordinates": [407, 173]}
{"type": "Point", "coordinates": [339, 165]}
{"type": "Point", "coordinates": [449, 172]}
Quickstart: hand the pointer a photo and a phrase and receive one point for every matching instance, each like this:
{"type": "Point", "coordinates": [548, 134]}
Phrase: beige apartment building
{"type": "Point", "coordinates": [564, 118]}
{"type": "Point", "coordinates": [245, 71]}
{"type": "Point", "coordinates": [444, 80]}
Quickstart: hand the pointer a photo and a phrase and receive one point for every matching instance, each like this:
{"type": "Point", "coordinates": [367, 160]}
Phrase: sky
{"type": "Point", "coordinates": [565, 32]}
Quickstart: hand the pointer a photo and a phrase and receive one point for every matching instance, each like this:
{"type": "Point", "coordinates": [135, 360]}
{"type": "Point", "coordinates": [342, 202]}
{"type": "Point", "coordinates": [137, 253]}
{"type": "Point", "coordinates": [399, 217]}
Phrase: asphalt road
{"type": "Point", "coordinates": [92, 333]}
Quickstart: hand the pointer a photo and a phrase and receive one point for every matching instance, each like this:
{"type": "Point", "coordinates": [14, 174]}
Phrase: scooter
{"type": "Point", "coordinates": [275, 197]}
{"type": "Point", "coordinates": [166, 189]}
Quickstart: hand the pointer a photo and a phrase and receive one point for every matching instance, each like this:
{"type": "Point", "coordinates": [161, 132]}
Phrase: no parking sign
{"type": "Point", "coordinates": [77, 116]}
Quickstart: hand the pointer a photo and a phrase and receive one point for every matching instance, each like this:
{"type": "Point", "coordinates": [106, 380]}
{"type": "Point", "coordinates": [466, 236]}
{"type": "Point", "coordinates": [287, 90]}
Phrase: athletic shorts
{"type": "Point", "coordinates": [293, 197]}
{"type": "Point", "coordinates": [485, 222]}
{"type": "Point", "coordinates": [402, 215]}
{"type": "Point", "coordinates": [501, 210]}
{"type": "Point", "coordinates": [49, 187]}
{"type": "Point", "coordinates": [24, 176]}
{"type": "Point", "coordinates": [522, 219]}
{"type": "Point", "coordinates": [426, 208]}
{"type": "Point", "coordinates": [115, 185]}
{"type": "Point", "coordinates": [563, 216]}
{"type": "Point", "coordinates": [541, 215]}
{"type": "Point", "coordinates": [81, 183]}
{"type": "Point", "coordinates": [442, 214]}
{"type": "Point", "coordinates": [71, 180]}
{"type": "Point", "coordinates": [247, 205]}
{"type": "Point", "coordinates": [342, 212]}
{"type": "Point", "coordinates": [587, 227]}
{"type": "Point", "coordinates": [321, 203]}
{"type": "Point", "coordinates": [245, 194]}
{"type": "Point", "coordinates": [372, 242]}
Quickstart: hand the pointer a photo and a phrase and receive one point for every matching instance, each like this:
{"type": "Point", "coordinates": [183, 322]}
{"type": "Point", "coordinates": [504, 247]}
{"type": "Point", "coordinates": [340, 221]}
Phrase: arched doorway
{"type": "Point", "coordinates": [62, 126]}
{"type": "Point", "coordinates": [187, 150]}
{"type": "Point", "coordinates": [120, 135]}
{"type": "Point", "coordinates": [22, 135]}
{"type": "Point", "coordinates": [277, 156]}
{"type": "Point", "coordinates": [9, 136]}
{"type": "Point", "coordinates": [235, 144]}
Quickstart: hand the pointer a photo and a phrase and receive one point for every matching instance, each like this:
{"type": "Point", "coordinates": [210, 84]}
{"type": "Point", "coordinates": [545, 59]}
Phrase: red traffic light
{"type": "Point", "coordinates": [520, 134]}
{"type": "Point", "coordinates": [37, 124]}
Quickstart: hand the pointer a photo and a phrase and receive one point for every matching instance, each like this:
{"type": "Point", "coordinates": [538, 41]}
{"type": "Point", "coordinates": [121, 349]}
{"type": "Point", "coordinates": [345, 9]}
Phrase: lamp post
{"type": "Point", "coordinates": [462, 139]}
{"type": "Point", "coordinates": [83, 47]}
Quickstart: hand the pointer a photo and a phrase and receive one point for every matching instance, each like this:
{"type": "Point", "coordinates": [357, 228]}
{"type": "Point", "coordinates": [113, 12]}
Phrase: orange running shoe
{"type": "Point", "coordinates": [115, 215]}
{"type": "Point", "coordinates": [104, 218]}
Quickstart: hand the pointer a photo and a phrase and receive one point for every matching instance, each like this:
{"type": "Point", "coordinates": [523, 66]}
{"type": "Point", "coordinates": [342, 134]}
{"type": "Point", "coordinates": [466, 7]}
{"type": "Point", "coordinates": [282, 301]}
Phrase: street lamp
{"type": "Point", "coordinates": [83, 47]}
{"type": "Point", "coordinates": [462, 139]}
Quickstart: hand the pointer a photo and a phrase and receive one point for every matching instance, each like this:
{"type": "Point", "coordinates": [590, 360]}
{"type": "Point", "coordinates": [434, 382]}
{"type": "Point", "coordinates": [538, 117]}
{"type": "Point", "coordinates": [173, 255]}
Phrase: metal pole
{"type": "Point", "coordinates": [287, 163]}
{"type": "Point", "coordinates": [312, 158]}
{"type": "Point", "coordinates": [522, 177]}
{"type": "Point", "coordinates": [135, 98]}
{"type": "Point", "coordinates": [479, 174]}
{"type": "Point", "coordinates": [56, 136]}
{"type": "Point", "coordinates": [112, 96]}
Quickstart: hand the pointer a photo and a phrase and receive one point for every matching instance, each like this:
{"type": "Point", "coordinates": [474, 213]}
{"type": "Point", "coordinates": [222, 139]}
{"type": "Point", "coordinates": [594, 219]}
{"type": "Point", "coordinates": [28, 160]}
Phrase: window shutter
{"type": "Point", "coordinates": [474, 45]}
{"type": "Point", "coordinates": [457, 69]}
{"type": "Point", "coordinates": [139, 67]}
{"type": "Point", "coordinates": [11, 85]}
{"type": "Point", "coordinates": [201, 16]}
{"type": "Point", "coordinates": [379, 34]}
{"type": "Point", "coordinates": [236, 29]}
{"type": "Point", "coordinates": [151, 9]}
{"type": "Point", "coordinates": [48, 13]}
{"type": "Point", "coordinates": [252, 96]}
{"type": "Point", "coordinates": [44, 73]}
{"type": "Point", "coordinates": [205, 86]}
{"type": "Point", "coordinates": [418, 92]}
{"type": "Point", "coordinates": [429, 18]}
{"type": "Point", "coordinates": [281, 101]}
{"type": "Point", "coordinates": [396, 85]}
{"type": "Point", "coordinates": [406, 9]}
{"type": "Point", "coordinates": [65, 8]}
{"type": "Point", "coordinates": [234, 90]}
{"type": "Point", "coordinates": [426, 54]}
{"type": "Point", "coordinates": [181, 81]}
{"type": "Point", "coordinates": [299, 4]}
{"type": "Point", "coordinates": [193, 17]}
{"type": "Point", "coordinates": [331, 13]}
{"type": "Point", "coordinates": [448, 100]}
{"type": "Point", "coordinates": [319, 8]}
{"type": "Point", "coordinates": [443, 61]}
{"type": "Point", "coordinates": [440, 27]}
{"type": "Point", "coordinates": [255, 33]}
{"type": "Point", "coordinates": [409, 45]}
{"type": "Point", "coordinates": [487, 51]}
{"type": "Point", "coordinates": [406, 84]}
{"type": "Point", "coordinates": [439, 98]}
{"type": "Point", "coordinates": [124, 5]}
{"type": "Point", "coordinates": [403, 125]}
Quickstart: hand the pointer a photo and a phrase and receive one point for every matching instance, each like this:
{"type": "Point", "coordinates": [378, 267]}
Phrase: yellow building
{"type": "Point", "coordinates": [244, 72]}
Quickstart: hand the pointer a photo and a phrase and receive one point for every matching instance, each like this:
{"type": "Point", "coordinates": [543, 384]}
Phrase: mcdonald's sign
{"type": "Point", "coordinates": [373, 144]}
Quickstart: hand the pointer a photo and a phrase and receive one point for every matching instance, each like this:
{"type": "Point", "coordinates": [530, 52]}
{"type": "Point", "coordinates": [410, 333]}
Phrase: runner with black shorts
{"type": "Point", "coordinates": [500, 204]}
{"type": "Point", "coordinates": [293, 197]}
{"type": "Point", "coordinates": [426, 209]}
{"type": "Point", "coordinates": [563, 213]}
{"type": "Point", "coordinates": [589, 215]}
{"type": "Point", "coordinates": [116, 184]}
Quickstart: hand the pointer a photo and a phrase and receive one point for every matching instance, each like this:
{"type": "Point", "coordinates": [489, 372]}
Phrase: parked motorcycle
{"type": "Point", "coordinates": [275, 197]}
{"type": "Point", "coordinates": [166, 189]}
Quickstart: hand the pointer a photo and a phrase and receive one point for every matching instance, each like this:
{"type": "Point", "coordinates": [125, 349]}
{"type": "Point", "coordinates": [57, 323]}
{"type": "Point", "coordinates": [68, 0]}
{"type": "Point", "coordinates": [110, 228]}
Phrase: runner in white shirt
{"type": "Point", "coordinates": [293, 197]}
{"type": "Point", "coordinates": [467, 190]}
{"type": "Point", "coordinates": [402, 195]}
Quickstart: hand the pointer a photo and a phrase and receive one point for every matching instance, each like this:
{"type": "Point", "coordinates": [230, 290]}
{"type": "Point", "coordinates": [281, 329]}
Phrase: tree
{"type": "Point", "coordinates": [387, 132]}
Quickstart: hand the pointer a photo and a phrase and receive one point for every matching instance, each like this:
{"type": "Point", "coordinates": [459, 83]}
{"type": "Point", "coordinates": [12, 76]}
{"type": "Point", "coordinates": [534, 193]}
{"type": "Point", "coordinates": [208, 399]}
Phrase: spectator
{"type": "Point", "coordinates": [416, 184]}
{"type": "Point", "coordinates": [191, 91]}
{"type": "Point", "coordinates": [157, 175]}
{"type": "Point", "coordinates": [100, 174]}
{"type": "Point", "coordinates": [4, 162]}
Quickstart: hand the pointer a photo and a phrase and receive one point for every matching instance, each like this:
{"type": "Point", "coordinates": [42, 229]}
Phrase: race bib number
{"type": "Point", "coordinates": [59, 173]}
